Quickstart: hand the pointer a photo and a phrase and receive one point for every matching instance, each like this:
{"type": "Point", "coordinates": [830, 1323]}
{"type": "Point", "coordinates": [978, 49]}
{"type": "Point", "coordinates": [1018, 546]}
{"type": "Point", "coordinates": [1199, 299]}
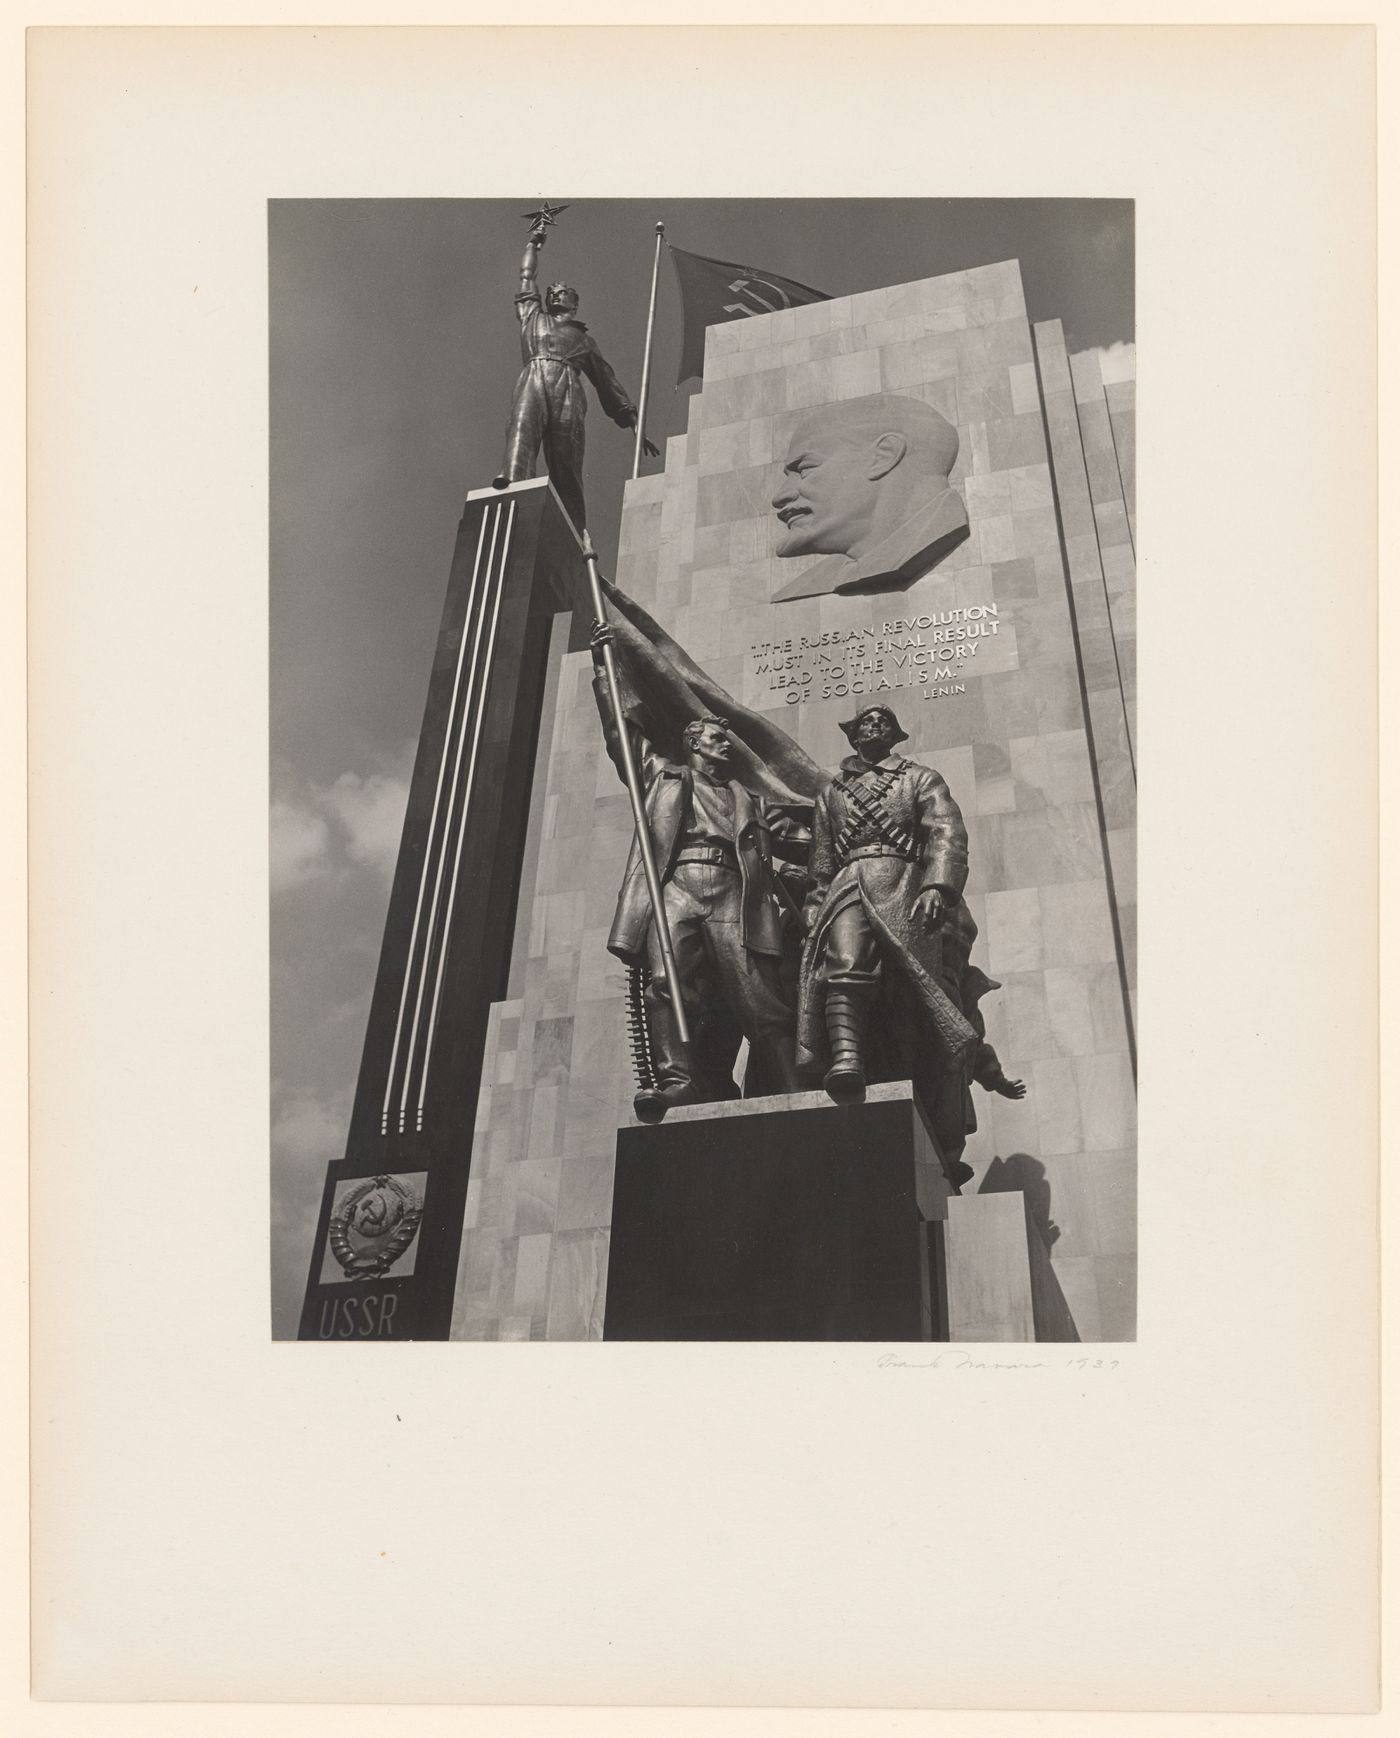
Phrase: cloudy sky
{"type": "Point", "coordinates": [393, 353]}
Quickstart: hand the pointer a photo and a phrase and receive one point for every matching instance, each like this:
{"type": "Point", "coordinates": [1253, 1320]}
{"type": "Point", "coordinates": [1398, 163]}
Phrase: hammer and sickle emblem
{"type": "Point", "coordinates": [744, 287]}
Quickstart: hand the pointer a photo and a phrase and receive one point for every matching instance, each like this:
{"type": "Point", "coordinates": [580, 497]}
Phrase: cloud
{"type": "Point", "coordinates": [1110, 240]}
{"type": "Point", "coordinates": [321, 831]}
{"type": "Point", "coordinates": [370, 815]}
{"type": "Point", "coordinates": [307, 1127]}
{"type": "Point", "coordinates": [300, 845]}
{"type": "Point", "coordinates": [1116, 361]}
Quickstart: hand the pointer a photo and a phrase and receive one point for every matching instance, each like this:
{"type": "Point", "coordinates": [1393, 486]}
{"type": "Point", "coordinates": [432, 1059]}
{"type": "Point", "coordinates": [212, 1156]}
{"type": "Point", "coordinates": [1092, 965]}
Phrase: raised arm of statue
{"type": "Point", "coordinates": [600, 695]}
{"type": "Point", "coordinates": [643, 753]}
{"type": "Point", "coordinates": [529, 263]}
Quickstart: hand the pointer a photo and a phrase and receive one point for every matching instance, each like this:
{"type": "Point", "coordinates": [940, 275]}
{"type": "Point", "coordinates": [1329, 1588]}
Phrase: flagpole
{"type": "Point", "coordinates": [639, 809]}
{"type": "Point", "coordinates": [646, 355]}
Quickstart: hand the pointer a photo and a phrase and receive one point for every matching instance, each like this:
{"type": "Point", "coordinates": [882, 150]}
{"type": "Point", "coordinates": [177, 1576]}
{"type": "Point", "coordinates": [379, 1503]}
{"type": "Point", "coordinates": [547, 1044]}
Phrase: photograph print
{"type": "Point", "coordinates": [703, 764]}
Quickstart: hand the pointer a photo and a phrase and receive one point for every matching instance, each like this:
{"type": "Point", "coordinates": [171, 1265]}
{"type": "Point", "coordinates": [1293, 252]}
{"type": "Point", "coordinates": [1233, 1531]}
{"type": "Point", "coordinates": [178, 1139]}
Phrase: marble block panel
{"type": "Point", "coordinates": [579, 1277]}
{"type": "Point", "coordinates": [1078, 1277]}
{"type": "Point", "coordinates": [1121, 396]}
{"type": "Point", "coordinates": [1014, 933]}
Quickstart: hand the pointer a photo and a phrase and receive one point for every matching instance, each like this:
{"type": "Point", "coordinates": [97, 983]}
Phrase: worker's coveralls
{"type": "Point", "coordinates": [549, 405]}
{"type": "Point", "coordinates": [714, 846]}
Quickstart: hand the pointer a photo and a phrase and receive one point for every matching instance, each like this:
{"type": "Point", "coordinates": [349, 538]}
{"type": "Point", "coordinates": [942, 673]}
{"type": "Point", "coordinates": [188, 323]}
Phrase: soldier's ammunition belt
{"type": "Point", "coordinates": [881, 851]}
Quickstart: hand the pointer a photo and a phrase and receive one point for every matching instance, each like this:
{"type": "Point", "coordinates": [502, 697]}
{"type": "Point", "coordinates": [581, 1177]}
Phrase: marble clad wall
{"type": "Point", "coordinates": [1121, 397]}
{"type": "Point", "coordinates": [1086, 443]}
{"type": "Point", "coordinates": [1007, 728]}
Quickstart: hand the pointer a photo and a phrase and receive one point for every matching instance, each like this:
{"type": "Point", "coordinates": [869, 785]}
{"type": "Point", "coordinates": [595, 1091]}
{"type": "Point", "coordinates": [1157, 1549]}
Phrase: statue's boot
{"type": "Point", "coordinates": [957, 1171]}
{"type": "Point", "coordinates": [652, 1102]}
{"type": "Point", "coordinates": [674, 1082]}
{"type": "Point", "coordinates": [845, 1030]}
{"type": "Point", "coordinates": [945, 1102]}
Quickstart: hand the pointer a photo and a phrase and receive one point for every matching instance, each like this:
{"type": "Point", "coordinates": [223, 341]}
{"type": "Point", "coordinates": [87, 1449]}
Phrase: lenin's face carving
{"type": "Point", "coordinates": [827, 495]}
{"type": "Point", "coordinates": [867, 479]}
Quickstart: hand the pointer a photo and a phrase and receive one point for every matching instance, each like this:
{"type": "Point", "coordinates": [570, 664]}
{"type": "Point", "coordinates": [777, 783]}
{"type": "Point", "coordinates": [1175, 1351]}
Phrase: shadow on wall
{"type": "Point", "coordinates": [1021, 1171]}
{"type": "Point", "coordinates": [1023, 1175]}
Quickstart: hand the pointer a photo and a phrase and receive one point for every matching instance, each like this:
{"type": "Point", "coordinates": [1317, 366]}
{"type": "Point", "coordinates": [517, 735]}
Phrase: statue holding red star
{"type": "Point", "coordinates": [549, 404]}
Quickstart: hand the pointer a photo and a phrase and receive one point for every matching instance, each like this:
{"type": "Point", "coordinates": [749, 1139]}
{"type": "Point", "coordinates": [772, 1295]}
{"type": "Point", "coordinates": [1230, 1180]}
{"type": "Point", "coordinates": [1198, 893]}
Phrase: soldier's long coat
{"type": "Point", "coordinates": [920, 802]}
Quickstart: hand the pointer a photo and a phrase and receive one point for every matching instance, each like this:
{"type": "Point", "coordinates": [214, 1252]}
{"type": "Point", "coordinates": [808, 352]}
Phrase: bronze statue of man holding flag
{"type": "Point", "coordinates": [721, 851]}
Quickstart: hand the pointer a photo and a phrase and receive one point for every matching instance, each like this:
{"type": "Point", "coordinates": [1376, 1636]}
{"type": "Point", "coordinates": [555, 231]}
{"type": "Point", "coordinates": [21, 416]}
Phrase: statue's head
{"type": "Point", "coordinates": [561, 299]}
{"type": "Point", "coordinates": [855, 471]}
{"type": "Point", "coordinates": [874, 731]}
{"type": "Point", "coordinates": [707, 745]}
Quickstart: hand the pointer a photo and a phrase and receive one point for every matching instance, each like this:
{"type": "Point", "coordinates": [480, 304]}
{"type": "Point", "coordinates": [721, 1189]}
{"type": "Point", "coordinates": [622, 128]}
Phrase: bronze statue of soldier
{"type": "Point", "coordinates": [549, 404]}
{"type": "Point", "coordinates": [727, 909]}
{"type": "Point", "coordinates": [887, 990]}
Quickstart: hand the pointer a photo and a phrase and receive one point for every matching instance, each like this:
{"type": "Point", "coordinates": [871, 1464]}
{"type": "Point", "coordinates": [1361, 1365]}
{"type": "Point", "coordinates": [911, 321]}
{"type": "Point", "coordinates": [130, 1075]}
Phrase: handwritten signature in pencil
{"type": "Point", "coordinates": [967, 1361]}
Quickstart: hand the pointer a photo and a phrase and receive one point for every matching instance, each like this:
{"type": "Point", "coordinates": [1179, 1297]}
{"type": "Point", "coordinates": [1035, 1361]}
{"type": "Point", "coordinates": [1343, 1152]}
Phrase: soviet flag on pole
{"type": "Point", "coordinates": [715, 289]}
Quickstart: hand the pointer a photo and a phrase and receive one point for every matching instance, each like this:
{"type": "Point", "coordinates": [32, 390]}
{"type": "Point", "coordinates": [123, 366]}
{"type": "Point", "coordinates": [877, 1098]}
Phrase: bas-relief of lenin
{"type": "Point", "coordinates": [865, 483]}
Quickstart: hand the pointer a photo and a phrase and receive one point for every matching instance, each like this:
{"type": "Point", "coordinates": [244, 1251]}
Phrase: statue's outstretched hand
{"type": "Point", "coordinates": [928, 907]}
{"type": "Point", "coordinates": [651, 450]}
{"type": "Point", "coordinates": [1010, 1088]}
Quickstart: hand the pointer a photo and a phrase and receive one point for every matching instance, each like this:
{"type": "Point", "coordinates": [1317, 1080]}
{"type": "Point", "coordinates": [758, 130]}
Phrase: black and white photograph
{"type": "Point", "coordinates": [638, 1122]}
{"type": "Point", "coordinates": [703, 769]}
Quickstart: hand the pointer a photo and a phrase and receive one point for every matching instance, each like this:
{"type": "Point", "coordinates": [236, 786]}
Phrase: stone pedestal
{"type": "Point", "coordinates": [786, 1218]}
{"type": "Point", "coordinates": [792, 1218]}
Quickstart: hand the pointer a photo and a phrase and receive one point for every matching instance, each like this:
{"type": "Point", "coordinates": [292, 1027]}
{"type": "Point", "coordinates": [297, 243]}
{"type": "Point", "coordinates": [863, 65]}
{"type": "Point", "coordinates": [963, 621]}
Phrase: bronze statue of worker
{"type": "Point", "coordinates": [727, 909]}
{"type": "Point", "coordinates": [549, 404]}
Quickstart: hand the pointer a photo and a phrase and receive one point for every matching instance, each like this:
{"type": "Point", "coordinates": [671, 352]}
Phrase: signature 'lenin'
{"type": "Point", "coordinates": [865, 482]}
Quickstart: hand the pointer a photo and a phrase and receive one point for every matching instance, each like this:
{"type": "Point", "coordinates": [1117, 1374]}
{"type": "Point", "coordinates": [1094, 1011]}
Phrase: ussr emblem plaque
{"type": "Point", "coordinates": [373, 1228]}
